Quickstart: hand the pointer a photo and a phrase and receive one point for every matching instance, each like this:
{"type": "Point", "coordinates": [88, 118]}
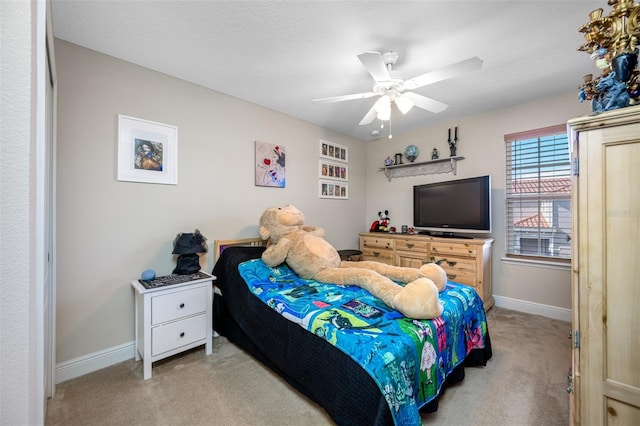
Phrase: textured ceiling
{"type": "Point", "coordinates": [283, 54]}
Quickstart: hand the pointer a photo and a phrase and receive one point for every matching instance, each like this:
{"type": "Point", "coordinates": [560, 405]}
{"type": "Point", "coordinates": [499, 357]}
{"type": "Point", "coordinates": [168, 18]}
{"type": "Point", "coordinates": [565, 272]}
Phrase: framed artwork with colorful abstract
{"type": "Point", "coordinates": [270, 165]}
{"type": "Point", "coordinates": [147, 151]}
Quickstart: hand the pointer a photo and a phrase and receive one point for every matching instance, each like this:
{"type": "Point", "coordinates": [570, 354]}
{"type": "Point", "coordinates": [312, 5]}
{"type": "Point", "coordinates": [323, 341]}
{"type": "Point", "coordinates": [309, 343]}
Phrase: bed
{"type": "Point", "coordinates": [364, 363]}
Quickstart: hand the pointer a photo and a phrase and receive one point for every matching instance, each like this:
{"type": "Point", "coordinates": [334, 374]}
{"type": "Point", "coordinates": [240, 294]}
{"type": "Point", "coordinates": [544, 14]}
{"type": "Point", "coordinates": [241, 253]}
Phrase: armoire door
{"type": "Point", "coordinates": [607, 269]}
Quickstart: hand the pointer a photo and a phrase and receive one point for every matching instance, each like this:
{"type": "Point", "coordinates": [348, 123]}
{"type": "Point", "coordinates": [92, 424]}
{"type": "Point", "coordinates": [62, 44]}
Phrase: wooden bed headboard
{"type": "Point", "coordinates": [219, 245]}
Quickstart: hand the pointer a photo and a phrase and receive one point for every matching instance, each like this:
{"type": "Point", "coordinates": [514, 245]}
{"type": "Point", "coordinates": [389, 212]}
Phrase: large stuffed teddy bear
{"type": "Point", "coordinates": [310, 256]}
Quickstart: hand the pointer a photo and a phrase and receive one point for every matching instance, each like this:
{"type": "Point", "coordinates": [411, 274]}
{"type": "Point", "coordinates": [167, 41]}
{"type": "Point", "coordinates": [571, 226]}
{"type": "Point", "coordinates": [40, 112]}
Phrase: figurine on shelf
{"type": "Point", "coordinates": [588, 89]}
{"type": "Point", "coordinates": [388, 162]}
{"type": "Point", "coordinates": [411, 153]}
{"type": "Point", "coordinates": [453, 143]}
{"type": "Point", "coordinates": [434, 154]}
{"type": "Point", "coordinates": [611, 94]}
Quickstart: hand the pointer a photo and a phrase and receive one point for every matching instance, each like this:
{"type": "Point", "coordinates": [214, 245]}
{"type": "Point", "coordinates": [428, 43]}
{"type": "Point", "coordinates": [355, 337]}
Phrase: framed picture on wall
{"type": "Point", "coordinates": [270, 165]}
{"type": "Point", "coordinates": [331, 170]}
{"type": "Point", "coordinates": [333, 189]}
{"type": "Point", "coordinates": [147, 151]}
{"type": "Point", "coordinates": [333, 151]}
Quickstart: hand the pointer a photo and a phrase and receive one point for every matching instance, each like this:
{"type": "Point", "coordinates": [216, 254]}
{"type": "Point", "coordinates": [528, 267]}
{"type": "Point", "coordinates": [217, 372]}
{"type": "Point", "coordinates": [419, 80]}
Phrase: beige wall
{"type": "Point", "coordinates": [109, 231]}
{"type": "Point", "coordinates": [481, 142]}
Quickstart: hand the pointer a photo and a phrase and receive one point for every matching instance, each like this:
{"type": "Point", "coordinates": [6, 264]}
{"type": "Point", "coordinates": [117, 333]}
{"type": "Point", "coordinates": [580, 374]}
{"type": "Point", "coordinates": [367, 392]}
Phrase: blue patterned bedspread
{"type": "Point", "coordinates": [408, 359]}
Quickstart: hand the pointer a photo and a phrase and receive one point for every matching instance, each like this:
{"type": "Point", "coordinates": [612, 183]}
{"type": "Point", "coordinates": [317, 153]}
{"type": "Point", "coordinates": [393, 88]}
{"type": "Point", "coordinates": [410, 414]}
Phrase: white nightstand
{"type": "Point", "coordinates": [172, 319]}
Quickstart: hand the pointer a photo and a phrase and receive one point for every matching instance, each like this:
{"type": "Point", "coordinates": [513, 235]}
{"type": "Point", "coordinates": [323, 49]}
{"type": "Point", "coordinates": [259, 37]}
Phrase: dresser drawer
{"type": "Point", "coordinates": [444, 249]}
{"type": "Point", "coordinates": [378, 255]}
{"type": "Point", "coordinates": [463, 264]}
{"type": "Point", "coordinates": [462, 277]}
{"type": "Point", "coordinates": [179, 333]}
{"type": "Point", "coordinates": [376, 242]}
{"type": "Point", "coordinates": [412, 245]}
{"type": "Point", "coordinates": [411, 259]}
{"type": "Point", "coordinates": [179, 304]}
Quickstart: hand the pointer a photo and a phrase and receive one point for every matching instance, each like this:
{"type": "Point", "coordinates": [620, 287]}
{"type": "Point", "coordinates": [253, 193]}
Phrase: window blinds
{"type": "Point", "coordinates": [538, 194]}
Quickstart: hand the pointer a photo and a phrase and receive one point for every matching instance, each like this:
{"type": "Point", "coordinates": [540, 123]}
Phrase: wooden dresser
{"type": "Point", "coordinates": [466, 261]}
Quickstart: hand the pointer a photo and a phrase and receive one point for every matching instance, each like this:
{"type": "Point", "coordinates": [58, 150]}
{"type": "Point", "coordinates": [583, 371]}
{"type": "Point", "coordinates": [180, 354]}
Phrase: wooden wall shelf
{"type": "Point", "coordinates": [443, 165]}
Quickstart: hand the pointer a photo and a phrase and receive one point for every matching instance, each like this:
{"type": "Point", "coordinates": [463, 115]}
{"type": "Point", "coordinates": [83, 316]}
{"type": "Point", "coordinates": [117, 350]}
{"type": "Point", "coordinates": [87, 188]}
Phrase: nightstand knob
{"type": "Point", "coordinates": [182, 334]}
{"type": "Point", "coordinates": [181, 305]}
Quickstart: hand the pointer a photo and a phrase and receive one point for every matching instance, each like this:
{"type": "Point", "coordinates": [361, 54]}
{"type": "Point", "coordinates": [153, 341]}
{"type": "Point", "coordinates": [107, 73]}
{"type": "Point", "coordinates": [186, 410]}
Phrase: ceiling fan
{"type": "Point", "coordinates": [392, 89]}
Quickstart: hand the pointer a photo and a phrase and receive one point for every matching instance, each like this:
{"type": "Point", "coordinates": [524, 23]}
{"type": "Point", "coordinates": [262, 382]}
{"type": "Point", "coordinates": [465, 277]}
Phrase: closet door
{"type": "Point", "coordinates": [608, 270]}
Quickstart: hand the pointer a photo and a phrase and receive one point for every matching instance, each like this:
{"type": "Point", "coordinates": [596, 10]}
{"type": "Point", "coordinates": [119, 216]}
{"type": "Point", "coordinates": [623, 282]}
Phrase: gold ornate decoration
{"type": "Point", "coordinates": [612, 41]}
{"type": "Point", "coordinates": [618, 32]}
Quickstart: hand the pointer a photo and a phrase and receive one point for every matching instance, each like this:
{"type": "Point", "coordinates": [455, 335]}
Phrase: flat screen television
{"type": "Point", "coordinates": [453, 207]}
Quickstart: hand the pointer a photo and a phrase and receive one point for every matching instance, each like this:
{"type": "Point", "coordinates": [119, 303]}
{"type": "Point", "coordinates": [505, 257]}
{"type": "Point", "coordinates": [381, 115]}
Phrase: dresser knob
{"type": "Point", "coordinates": [182, 334]}
{"type": "Point", "coordinates": [181, 305]}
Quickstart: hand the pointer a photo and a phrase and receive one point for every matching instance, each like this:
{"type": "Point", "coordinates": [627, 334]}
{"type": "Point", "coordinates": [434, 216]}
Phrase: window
{"type": "Point", "coordinates": [538, 194]}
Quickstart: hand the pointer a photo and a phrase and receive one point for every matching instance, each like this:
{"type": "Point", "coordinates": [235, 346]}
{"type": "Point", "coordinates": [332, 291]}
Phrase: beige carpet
{"type": "Point", "coordinates": [523, 384]}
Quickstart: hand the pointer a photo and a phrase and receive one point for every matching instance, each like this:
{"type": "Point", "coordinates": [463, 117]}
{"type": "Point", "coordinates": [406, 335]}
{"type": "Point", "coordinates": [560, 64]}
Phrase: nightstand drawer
{"type": "Point", "coordinates": [176, 334]}
{"type": "Point", "coordinates": [177, 305]}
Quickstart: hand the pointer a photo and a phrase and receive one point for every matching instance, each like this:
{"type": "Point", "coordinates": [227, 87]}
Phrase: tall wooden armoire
{"type": "Point", "coordinates": [606, 268]}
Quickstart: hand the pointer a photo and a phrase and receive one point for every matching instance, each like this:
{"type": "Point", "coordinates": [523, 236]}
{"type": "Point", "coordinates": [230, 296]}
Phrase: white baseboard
{"type": "Point", "coordinates": [555, 312]}
{"type": "Point", "coordinates": [92, 362]}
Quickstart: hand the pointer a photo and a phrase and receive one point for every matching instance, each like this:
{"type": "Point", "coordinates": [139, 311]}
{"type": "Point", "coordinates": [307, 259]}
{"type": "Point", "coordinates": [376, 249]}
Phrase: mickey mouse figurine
{"type": "Point", "coordinates": [381, 225]}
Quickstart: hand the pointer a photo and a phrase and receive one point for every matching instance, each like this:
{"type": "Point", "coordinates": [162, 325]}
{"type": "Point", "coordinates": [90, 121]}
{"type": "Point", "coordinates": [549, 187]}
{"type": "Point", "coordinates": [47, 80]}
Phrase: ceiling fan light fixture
{"type": "Point", "coordinates": [404, 103]}
{"type": "Point", "coordinates": [383, 104]}
{"type": "Point", "coordinates": [383, 108]}
{"type": "Point", "coordinates": [384, 115]}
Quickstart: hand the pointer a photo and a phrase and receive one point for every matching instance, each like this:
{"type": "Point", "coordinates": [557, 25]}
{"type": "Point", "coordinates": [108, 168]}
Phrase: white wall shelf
{"type": "Point", "coordinates": [443, 165]}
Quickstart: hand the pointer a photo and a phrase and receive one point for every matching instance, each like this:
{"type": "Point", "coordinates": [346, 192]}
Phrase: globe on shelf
{"type": "Point", "coordinates": [411, 153]}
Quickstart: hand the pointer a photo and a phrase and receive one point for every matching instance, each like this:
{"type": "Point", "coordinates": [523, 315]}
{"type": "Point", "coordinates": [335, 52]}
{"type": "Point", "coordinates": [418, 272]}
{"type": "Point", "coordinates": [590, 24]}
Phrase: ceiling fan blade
{"type": "Point", "coordinates": [375, 65]}
{"type": "Point", "coordinates": [444, 73]}
{"type": "Point", "coordinates": [345, 97]}
{"type": "Point", "coordinates": [426, 103]}
{"type": "Point", "coordinates": [369, 117]}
